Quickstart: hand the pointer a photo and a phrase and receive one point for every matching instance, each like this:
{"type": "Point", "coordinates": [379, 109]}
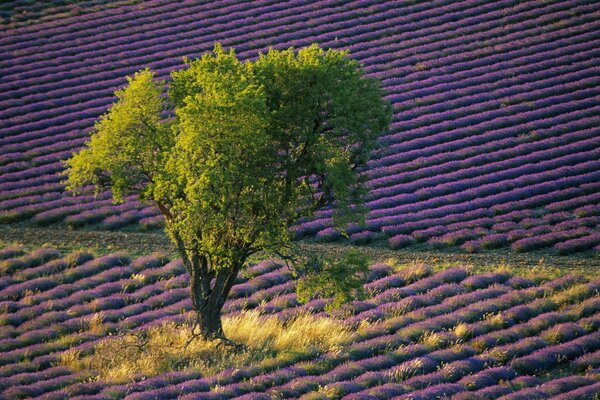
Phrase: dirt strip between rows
{"type": "Point", "coordinates": [139, 243]}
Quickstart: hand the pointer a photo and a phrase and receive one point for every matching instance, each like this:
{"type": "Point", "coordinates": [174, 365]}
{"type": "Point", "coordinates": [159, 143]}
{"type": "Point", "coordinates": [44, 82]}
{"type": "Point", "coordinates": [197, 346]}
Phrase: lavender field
{"type": "Point", "coordinates": [494, 142]}
{"type": "Point", "coordinates": [494, 148]}
{"type": "Point", "coordinates": [420, 333]}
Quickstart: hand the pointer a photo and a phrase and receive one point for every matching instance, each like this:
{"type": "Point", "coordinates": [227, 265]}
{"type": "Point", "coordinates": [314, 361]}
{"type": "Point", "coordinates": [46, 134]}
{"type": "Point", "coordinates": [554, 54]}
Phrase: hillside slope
{"type": "Point", "coordinates": [419, 333]}
{"type": "Point", "coordinates": [495, 139]}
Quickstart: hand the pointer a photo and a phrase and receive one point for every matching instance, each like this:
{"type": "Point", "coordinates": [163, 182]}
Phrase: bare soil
{"type": "Point", "coordinates": [140, 243]}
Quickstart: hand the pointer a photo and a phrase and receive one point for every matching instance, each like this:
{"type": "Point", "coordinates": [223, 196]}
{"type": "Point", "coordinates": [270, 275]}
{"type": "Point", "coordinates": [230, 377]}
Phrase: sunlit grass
{"type": "Point", "coordinates": [163, 348]}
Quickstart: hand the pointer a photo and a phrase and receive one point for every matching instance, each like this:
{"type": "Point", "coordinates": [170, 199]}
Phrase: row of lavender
{"type": "Point", "coordinates": [496, 110]}
{"type": "Point", "coordinates": [429, 334]}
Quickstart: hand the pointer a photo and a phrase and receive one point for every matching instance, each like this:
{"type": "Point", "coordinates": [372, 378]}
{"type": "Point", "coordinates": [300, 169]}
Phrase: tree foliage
{"type": "Point", "coordinates": [340, 278]}
{"type": "Point", "coordinates": [236, 152]}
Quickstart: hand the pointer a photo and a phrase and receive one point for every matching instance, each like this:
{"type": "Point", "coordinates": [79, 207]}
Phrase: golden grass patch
{"type": "Point", "coordinates": [162, 348]}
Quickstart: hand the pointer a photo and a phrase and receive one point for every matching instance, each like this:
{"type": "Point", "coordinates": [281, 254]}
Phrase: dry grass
{"type": "Point", "coordinates": [163, 348]}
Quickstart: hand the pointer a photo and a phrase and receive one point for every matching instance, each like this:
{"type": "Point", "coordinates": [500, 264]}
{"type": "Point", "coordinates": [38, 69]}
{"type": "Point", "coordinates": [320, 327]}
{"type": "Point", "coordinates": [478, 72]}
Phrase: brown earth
{"type": "Point", "coordinates": [139, 243]}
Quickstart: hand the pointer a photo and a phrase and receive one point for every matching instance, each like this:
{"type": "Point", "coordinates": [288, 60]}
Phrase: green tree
{"type": "Point", "coordinates": [250, 148]}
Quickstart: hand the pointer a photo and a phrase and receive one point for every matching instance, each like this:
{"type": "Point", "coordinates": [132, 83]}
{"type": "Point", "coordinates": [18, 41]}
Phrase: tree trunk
{"type": "Point", "coordinates": [209, 287]}
{"type": "Point", "coordinates": [209, 290]}
{"type": "Point", "coordinates": [209, 323]}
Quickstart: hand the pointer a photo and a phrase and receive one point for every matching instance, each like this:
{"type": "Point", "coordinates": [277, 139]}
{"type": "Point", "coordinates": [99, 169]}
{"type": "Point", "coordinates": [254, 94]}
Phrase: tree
{"type": "Point", "coordinates": [235, 153]}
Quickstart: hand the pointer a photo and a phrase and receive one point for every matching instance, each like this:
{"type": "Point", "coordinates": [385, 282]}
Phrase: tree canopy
{"type": "Point", "coordinates": [233, 153]}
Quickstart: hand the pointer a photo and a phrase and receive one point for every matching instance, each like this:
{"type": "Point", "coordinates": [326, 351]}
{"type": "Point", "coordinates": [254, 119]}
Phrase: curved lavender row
{"type": "Point", "coordinates": [474, 161]}
{"type": "Point", "coordinates": [92, 390]}
{"type": "Point", "coordinates": [68, 143]}
{"type": "Point", "coordinates": [587, 361]}
{"type": "Point", "coordinates": [462, 212]}
{"type": "Point", "coordinates": [357, 352]}
{"type": "Point", "coordinates": [45, 354]}
{"type": "Point", "coordinates": [482, 137]}
{"type": "Point", "coordinates": [41, 186]}
{"type": "Point", "coordinates": [395, 193]}
{"type": "Point", "coordinates": [11, 252]}
{"type": "Point", "coordinates": [31, 172]}
{"type": "Point", "coordinates": [510, 231]}
{"type": "Point", "coordinates": [338, 35]}
{"type": "Point", "coordinates": [74, 280]}
{"type": "Point", "coordinates": [578, 244]}
{"type": "Point", "coordinates": [503, 222]}
{"type": "Point", "coordinates": [42, 138]}
{"type": "Point", "coordinates": [477, 202]}
{"type": "Point", "coordinates": [48, 155]}
{"type": "Point", "coordinates": [447, 161]}
{"type": "Point", "coordinates": [55, 157]}
{"type": "Point", "coordinates": [128, 217]}
{"type": "Point", "coordinates": [31, 260]}
{"type": "Point", "coordinates": [227, 379]}
{"type": "Point", "coordinates": [38, 388]}
{"type": "Point", "coordinates": [501, 389]}
{"type": "Point", "coordinates": [587, 210]}
{"type": "Point", "coordinates": [478, 11]}
{"type": "Point", "coordinates": [30, 31]}
{"type": "Point", "coordinates": [114, 281]}
{"type": "Point", "coordinates": [283, 295]}
{"type": "Point", "coordinates": [552, 388]}
{"type": "Point", "coordinates": [482, 25]}
{"type": "Point", "coordinates": [446, 10]}
{"type": "Point", "coordinates": [96, 215]}
{"type": "Point", "coordinates": [245, 32]}
{"type": "Point", "coordinates": [239, 26]}
{"type": "Point", "coordinates": [101, 274]}
{"type": "Point", "coordinates": [28, 378]}
{"type": "Point", "coordinates": [441, 52]}
{"type": "Point", "coordinates": [88, 25]}
{"type": "Point", "coordinates": [42, 189]}
{"type": "Point", "coordinates": [474, 283]}
{"type": "Point", "coordinates": [89, 33]}
{"type": "Point", "coordinates": [112, 307]}
{"type": "Point", "coordinates": [374, 309]}
{"type": "Point", "coordinates": [52, 21]}
{"type": "Point", "coordinates": [589, 392]}
{"type": "Point", "coordinates": [462, 186]}
{"type": "Point", "coordinates": [386, 289]}
{"type": "Point", "coordinates": [50, 177]}
{"type": "Point", "coordinates": [412, 213]}
{"type": "Point", "coordinates": [422, 293]}
{"type": "Point", "coordinates": [33, 200]}
{"type": "Point", "coordinates": [586, 193]}
{"type": "Point", "coordinates": [461, 180]}
{"type": "Point", "coordinates": [32, 280]}
{"type": "Point", "coordinates": [462, 63]}
{"type": "Point", "coordinates": [486, 103]}
{"type": "Point", "coordinates": [528, 321]}
{"type": "Point", "coordinates": [549, 239]}
{"type": "Point", "coordinates": [368, 377]}
{"type": "Point", "coordinates": [456, 366]}
{"type": "Point", "coordinates": [548, 357]}
{"type": "Point", "coordinates": [151, 223]}
{"type": "Point", "coordinates": [57, 214]}
{"type": "Point", "coordinates": [10, 158]}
